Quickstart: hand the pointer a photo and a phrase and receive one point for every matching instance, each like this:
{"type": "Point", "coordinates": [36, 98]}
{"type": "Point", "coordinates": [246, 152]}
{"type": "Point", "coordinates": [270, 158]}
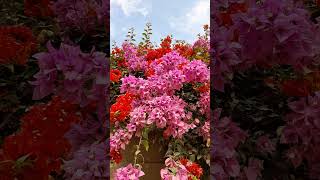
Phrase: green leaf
{"type": "Point", "coordinates": [192, 158]}
{"type": "Point", "coordinates": [145, 144]}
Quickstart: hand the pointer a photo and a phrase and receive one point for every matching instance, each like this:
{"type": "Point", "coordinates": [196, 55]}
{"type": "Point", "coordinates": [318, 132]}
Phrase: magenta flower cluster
{"type": "Point", "coordinates": [76, 76]}
{"type": "Point", "coordinates": [302, 133]}
{"type": "Point", "coordinates": [275, 32]}
{"type": "Point", "coordinates": [80, 78]}
{"type": "Point", "coordinates": [85, 15]}
{"type": "Point", "coordinates": [156, 102]}
{"type": "Point", "coordinates": [226, 136]}
{"type": "Point", "coordinates": [128, 172]}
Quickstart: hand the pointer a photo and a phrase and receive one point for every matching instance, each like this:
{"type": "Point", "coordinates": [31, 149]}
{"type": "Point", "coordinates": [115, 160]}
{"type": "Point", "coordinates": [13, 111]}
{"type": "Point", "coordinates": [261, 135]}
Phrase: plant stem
{"type": "Point", "coordinates": [138, 150]}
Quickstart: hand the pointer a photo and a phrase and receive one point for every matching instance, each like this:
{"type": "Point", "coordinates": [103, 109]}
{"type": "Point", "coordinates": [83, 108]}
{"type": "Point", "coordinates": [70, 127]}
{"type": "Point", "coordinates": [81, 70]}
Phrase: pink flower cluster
{"type": "Point", "coordinates": [180, 170]}
{"type": "Point", "coordinates": [74, 75]}
{"type": "Point", "coordinates": [156, 102]}
{"type": "Point", "coordinates": [226, 137]}
{"type": "Point", "coordinates": [302, 133]}
{"type": "Point", "coordinates": [266, 34]}
{"type": "Point", "coordinates": [135, 62]}
{"type": "Point", "coordinates": [128, 172]}
{"type": "Point", "coordinates": [180, 174]}
{"type": "Point", "coordinates": [84, 15]}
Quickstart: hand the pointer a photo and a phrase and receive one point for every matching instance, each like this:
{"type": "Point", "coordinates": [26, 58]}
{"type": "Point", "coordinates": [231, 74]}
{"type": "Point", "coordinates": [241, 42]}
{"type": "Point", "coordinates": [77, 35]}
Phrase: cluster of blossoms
{"type": "Point", "coordinates": [64, 135]}
{"type": "Point", "coordinates": [36, 150]}
{"type": "Point", "coordinates": [271, 33]}
{"type": "Point", "coordinates": [302, 132]}
{"type": "Point", "coordinates": [182, 170]}
{"type": "Point", "coordinates": [74, 75]}
{"type": "Point", "coordinates": [263, 36]}
{"type": "Point", "coordinates": [121, 109]}
{"type": "Point", "coordinates": [226, 137]}
{"type": "Point", "coordinates": [153, 100]}
{"type": "Point", "coordinates": [128, 172]}
{"type": "Point", "coordinates": [85, 15]}
{"type": "Point", "coordinates": [16, 44]}
{"type": "Point", "coordinates": [82, 79]}
{"type": "Point", "coordinates": [156, 103]}
{"type": "Point", "coordinates": [38, 8]}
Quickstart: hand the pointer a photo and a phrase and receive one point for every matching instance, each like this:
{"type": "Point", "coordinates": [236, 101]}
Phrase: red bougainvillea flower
{"type": "Point", "coordinates": [122, 108]}
{"type": "Point", "coordinates": [194, 168]}
{"type": "Point", "coordinates": [296, 88]}
{"type": "Point", "coordinates": [16, 44]}
{"type": "Point", "coordinates": [233, 8]}
{"type": "Point", "coordinates": [115, 75]}
{"type": "Point", "coordinates": [165, 47]}
{"type": "Point", "coordinates": [203, 88]}
{"type": "Point", "coordinates": [184, 50]}
{"type": "Point", "coordinates": [38, 147]}
{"type": "Point", "coordinates": [118, 56]}
{"type": "Point", "coordinates": [116, 156]}
{"type": "Point", "coordinates": [37, 8]}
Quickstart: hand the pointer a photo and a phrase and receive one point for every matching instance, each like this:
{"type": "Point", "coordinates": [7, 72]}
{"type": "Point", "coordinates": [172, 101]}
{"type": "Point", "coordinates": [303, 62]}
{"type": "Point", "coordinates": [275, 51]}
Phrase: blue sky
{"type": "Point", "coordinates": [183, 19]}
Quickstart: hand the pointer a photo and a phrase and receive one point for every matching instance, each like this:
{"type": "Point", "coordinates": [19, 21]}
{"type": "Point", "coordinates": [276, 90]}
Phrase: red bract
{"type": "Point", "coordinates": [38, 8]}
{"type": "Point", "coordinates": [194, 168]}
{"type": "Point", "coordinates": [41, 140]}
{"type": "Point", "coordinates": [234, 8]}
{"type": "Point", "coordinates": [185, 50]}
{"type": "Point", "coordinates": [165, 47]}
{"type": "Point", "coordinates": [16, 44]}
{"type": "Point", "coordinates": [121, 109]}
{"type": "Point", "coordinates": [204, 88]}
{"type": "Point", "coordinates": [117, 54]}
{"type": "Point", "coordinates": [297, 88]}
{"type": "Point", "coordinates": [116, 156]}
{"type": "Point", "coordinates": [115, 75]}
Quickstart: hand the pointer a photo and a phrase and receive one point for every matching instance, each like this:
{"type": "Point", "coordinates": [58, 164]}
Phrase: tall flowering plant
{"type": "Point", "coordinates": [265, 89]}
{"type": "Point", "coordinates": [54, 85]}
{"type": "Point", "coordinates": [161, 89]}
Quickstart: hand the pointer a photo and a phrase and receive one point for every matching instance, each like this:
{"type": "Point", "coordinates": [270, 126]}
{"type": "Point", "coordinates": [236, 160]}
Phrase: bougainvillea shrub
{"type": "Point", "coordinates": [163, 89]}
{"type": "Point", "coordinates": [265, 102]}
{"type": "Point", "coordinates": [54, 87]}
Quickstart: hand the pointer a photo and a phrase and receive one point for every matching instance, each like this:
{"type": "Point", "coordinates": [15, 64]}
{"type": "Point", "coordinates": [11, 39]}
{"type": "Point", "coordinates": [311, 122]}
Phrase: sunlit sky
{"type": "Point", "coordinates": [183, 19]}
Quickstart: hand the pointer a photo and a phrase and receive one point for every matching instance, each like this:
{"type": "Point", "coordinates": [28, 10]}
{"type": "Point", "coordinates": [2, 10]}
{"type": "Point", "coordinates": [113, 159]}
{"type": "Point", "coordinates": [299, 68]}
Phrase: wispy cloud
{"type": "Point", "coordinates": [130, 7]}
{"type": "Point", "coordinates": [192, 22]}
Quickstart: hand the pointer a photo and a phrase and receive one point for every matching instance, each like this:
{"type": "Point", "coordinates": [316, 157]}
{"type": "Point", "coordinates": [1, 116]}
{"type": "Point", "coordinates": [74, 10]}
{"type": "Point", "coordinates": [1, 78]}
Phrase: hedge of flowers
{"type": "Point", "coordinates": [266, 93]}
{"type": "Point", "coordinates": [54, 75]}
{"type": "Point", "coordinates": [162, 89]}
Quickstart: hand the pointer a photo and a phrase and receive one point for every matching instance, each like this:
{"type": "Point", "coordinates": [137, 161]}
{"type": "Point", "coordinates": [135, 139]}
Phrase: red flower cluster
{"type": "Point", "coordinates": [116, 156]}
{"type": "Point", "coordinates": [115, 75]}
{"type": "Point", "coordinates": [184, 50]}
{"type": "Point", "coordinates": [121, 109]}
{"type": "Point", "coordinates": [16, 44]}
{"type": "Point", "coordinates": [165, 47]}
{"type": "Point", "coordinates": [203, 88]}
{"type": "Point", "coordinates": [194, 168]}
{"type": "Point", "coordinates": [296, 88]}
{"type": "Point", "coordinates": [234, 8]}
{"type": "Point", "coordinates": [117, 54]}
{"type": "Point", "coordinates": [37, 8]}
{"type": "Point", "coordinates": [38, 147]}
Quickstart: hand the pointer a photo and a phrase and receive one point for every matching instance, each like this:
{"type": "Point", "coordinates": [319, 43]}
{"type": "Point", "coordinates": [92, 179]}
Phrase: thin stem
{"type": "Point", "coordinates": [138, 150]}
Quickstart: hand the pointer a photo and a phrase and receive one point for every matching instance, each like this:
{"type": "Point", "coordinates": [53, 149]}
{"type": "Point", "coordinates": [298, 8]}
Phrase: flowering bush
{"type": "Point", "coordinates": [53, 95]}
{"type": "Point", "coordinates": [265, 71]}
{"type": "Point", "coordinates": [164, 89]}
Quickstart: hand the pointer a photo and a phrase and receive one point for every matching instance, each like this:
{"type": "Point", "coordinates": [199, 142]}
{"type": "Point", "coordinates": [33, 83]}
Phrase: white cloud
{"type": "Point", "coordinates": [130, 7]}
{"type": "Point", "coordinates": [193, 21]}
